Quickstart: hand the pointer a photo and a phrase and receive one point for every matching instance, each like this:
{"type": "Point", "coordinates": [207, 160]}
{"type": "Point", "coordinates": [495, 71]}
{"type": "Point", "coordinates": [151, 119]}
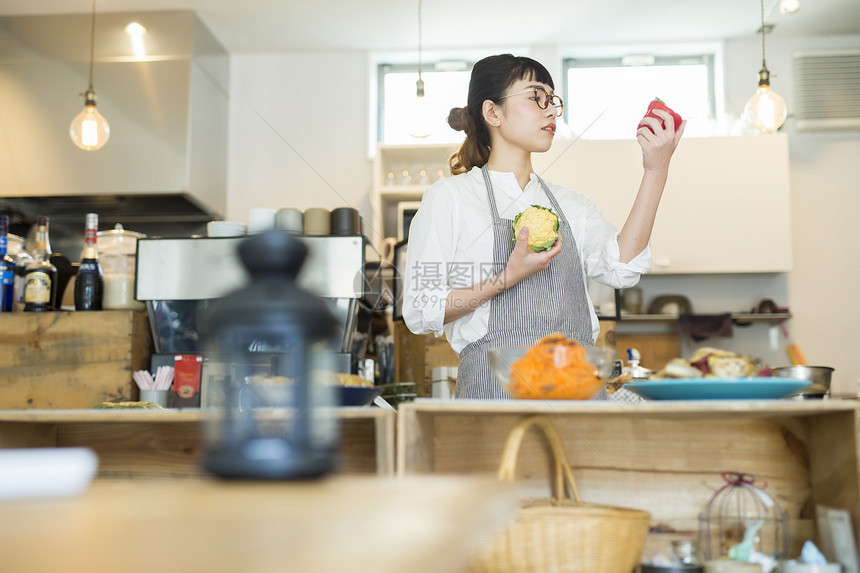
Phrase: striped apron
{"type": "Point", "coordinates": [551, 300]}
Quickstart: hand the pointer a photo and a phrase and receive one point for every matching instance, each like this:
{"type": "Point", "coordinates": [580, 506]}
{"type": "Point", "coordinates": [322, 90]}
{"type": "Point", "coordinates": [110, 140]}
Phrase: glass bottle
{"type": "Point", "coordinates": [89, 282]}
{"type": "Point", "coordinates": [40, 276]}
{"type": "Point", "coordinates": [7, 269]}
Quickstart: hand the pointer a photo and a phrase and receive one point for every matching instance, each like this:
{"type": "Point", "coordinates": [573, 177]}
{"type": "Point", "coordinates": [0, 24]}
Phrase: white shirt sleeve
{"type": "Point", "coordinates": [432, 240]}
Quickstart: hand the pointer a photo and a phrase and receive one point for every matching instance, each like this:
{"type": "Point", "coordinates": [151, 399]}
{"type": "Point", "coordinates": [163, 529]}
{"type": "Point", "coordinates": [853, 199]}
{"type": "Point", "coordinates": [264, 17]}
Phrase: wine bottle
{"type": "Point", "coordinates": [40, 276]}
{"type": "Point", "coordinates": [7, 269]}
{"type": "Point", "coordinates": [89, 282]}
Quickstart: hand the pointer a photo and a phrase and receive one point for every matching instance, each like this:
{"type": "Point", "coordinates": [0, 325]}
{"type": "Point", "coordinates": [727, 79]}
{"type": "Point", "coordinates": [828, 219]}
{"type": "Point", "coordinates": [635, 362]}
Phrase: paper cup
{"type": "Point", "coordinates": [155, 396]}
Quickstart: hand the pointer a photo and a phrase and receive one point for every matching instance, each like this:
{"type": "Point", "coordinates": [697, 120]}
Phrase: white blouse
{"type": "Point", "coordinates": [451, 247]}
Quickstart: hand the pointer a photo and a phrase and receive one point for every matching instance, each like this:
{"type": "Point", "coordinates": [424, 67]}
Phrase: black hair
{"type": "Point", "coordinates": [491, 78]}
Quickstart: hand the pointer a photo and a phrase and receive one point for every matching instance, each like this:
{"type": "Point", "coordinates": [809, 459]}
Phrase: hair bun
{"type": "Point", "coordinates": [457, 118]}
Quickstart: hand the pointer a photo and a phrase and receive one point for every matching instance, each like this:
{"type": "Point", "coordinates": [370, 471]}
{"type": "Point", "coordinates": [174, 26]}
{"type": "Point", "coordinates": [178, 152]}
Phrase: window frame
{"type": "Point", "coordinates": [383, 68]}
{"type": "Point", "coordinates": [707, 58]}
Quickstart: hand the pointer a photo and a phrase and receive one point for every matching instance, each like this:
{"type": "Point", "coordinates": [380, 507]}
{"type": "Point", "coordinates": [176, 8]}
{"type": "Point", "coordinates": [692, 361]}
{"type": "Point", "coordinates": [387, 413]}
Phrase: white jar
{"type": "Point", "coordinates": [117, 254]}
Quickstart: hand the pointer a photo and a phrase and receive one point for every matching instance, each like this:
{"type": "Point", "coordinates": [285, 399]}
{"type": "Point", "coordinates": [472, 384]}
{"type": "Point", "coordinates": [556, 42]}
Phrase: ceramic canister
{"type": "Point", "coordinates": [260, 219]}
{"type": "Point", "coordinates": [345, 221]}
{"type": "Point", "coordinates": [290, 220]}
{"type": "Point", "coordinates": [317, 221]}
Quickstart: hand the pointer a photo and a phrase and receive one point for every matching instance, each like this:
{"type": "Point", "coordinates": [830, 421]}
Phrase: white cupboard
{"type": "Point", "coordinates": [726, 207]}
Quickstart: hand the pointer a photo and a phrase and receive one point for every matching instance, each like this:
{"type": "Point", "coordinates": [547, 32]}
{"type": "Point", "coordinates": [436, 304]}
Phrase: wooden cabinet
{"type": "Point", "coordinates": [663, 457]}
{"type": "Point", "coordinates": [71, 359]}
{"type": "Point", "coordinates": [166, 443]}
{"type": "Point", "coordinates": [726, 207]}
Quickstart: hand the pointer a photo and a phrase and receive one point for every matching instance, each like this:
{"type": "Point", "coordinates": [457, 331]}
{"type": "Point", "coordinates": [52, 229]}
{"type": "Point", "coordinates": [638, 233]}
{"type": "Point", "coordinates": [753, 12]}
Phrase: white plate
{"type": "Point", "coordinates": [45, 472]}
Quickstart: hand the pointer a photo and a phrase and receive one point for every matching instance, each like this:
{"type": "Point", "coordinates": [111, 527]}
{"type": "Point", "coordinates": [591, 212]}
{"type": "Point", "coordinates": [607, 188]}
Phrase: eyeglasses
{"type": "Point", "coordinates": [544, 101]}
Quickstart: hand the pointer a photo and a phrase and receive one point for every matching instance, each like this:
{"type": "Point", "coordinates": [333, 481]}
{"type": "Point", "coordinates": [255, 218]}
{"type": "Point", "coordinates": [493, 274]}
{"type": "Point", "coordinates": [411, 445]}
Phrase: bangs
{"type": "Point", "coordinates": [529, 70]}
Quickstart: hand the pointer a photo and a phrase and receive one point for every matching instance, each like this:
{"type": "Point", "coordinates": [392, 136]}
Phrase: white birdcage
{"type": "Point", "coordinates": [741, 517]}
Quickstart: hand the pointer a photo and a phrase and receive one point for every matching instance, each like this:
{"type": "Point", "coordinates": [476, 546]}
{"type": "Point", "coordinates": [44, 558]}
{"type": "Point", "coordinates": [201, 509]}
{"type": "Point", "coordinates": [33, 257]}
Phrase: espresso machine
{"type": "Point", "coordinates": [177, 278]}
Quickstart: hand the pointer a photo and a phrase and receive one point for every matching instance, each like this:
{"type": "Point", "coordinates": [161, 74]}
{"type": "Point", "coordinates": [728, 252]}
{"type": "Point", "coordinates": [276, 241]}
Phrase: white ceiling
{"type": "Point", "coordinates": [250, 26]}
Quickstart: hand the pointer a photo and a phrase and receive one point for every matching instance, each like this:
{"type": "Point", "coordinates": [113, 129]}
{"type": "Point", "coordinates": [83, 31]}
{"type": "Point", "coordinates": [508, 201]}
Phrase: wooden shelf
{"type": "Point", "coordinates": [664, 457]}
{"type": "Point", "coordinates": [166, 443]}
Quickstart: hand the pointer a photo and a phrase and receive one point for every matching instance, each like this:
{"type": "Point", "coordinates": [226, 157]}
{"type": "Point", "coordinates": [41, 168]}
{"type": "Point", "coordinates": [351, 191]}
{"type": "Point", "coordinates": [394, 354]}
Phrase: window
{"type": "Point", "coordinates": [405, 118]}
{"type": "Point", "coordinates": [605, 98]}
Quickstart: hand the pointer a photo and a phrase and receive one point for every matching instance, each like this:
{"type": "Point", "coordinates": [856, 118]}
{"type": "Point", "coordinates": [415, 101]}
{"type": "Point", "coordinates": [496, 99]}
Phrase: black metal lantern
{"type": "Point", "coordinates": [273, 418]}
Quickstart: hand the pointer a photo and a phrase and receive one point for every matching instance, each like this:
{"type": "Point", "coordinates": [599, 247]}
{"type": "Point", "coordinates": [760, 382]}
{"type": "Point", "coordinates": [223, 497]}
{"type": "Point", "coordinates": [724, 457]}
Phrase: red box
{"type": "Point", "coordinates": [186, 380]}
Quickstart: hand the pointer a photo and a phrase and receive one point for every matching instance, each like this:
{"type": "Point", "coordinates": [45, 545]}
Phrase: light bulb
{"type": "Point", "coordinates": [765, 110]}
{"type": "Point", "coordinates": [789, 6]}
{"type": "Point", "coordinates": [89, 130]}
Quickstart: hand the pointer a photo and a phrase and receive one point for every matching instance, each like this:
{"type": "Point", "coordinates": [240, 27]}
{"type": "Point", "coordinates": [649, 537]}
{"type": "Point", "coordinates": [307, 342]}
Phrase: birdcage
{"type": "Point", "coordinates": [741, 519]}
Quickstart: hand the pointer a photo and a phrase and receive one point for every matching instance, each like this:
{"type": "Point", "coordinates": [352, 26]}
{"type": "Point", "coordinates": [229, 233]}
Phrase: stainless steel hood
{"type": "Point", "coordinates": [167, 106]}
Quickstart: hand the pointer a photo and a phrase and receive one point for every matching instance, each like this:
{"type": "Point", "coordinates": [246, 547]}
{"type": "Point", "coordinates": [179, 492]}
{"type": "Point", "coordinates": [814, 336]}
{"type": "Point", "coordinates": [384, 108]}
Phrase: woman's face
{"type": "Point", "coordinates": [522, 122]}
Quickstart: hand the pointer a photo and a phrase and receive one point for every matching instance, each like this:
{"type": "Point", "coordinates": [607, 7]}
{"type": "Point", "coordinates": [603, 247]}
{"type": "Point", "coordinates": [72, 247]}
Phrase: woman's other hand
{"type": "Point", "coordinates": [523, 263]}
{"type": "Point", "coordinates": [658, 143]}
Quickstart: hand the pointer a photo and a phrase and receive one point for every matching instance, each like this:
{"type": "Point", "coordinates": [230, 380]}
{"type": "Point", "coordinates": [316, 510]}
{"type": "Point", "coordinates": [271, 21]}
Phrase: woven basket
{"type": "Point", "coordinates": [562, 534]}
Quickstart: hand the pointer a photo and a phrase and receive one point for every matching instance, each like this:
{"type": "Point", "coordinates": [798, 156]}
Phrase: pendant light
{"type": "Point", "coordinates": [789, 6]}
{"type": "Point", "coordinates": [419, 85]}
{"type": "Point", "coordinates": [766, 110]}
{"type": "Point", "coordinates": [420, 123]}
{"type": "Point", "coordinates": [90, 130]}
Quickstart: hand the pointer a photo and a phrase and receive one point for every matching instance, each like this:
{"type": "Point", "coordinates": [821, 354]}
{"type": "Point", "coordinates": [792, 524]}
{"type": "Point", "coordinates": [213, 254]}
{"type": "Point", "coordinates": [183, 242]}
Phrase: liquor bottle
{"type": "Point", "coordinates": [7, 269]}
{"type": "Point", "coordinates": [89, 282]}
{"type": "Point", "coordinates": [40, 276]}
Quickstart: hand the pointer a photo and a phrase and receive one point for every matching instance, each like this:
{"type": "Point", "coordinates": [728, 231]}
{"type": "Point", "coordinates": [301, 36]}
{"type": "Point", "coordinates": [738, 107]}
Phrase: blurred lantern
{"type": "Point", "coordinates": [266, 343]}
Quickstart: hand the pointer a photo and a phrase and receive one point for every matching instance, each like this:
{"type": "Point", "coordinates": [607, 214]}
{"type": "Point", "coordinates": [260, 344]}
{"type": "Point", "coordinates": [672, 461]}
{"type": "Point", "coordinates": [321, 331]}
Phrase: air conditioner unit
{"type": "Point", "coordinates": [826, 91]}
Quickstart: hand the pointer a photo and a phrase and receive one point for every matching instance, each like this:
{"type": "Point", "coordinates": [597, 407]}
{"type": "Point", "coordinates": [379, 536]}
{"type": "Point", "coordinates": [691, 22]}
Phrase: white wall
{"type": "Point", "coordinates": [318, 104]}
{"type": "Point", "coordinates": [298, 126]}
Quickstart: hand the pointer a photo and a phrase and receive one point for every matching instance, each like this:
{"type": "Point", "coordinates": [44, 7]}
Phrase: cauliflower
{"type": "Point", "coordinates": [542, 224]}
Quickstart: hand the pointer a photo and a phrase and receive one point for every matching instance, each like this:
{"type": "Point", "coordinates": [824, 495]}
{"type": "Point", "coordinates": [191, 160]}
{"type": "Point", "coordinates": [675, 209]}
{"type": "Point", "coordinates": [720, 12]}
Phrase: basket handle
{"type": "Point", "coordinates": [562, 464]}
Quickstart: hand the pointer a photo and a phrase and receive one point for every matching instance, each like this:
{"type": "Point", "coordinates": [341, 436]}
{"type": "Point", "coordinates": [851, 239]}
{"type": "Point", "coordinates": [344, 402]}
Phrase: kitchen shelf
{"type": "Point", "coordinates": [738, 318]}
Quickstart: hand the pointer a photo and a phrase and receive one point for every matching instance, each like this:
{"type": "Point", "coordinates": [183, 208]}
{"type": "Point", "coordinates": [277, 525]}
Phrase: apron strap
{"type": "Point", "coordinates": [490, 195]}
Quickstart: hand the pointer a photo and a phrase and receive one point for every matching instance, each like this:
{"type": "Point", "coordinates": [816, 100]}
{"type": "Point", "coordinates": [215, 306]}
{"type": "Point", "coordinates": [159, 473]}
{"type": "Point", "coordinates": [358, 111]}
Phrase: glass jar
{"type": "Point", "coordinates": [117, 251]}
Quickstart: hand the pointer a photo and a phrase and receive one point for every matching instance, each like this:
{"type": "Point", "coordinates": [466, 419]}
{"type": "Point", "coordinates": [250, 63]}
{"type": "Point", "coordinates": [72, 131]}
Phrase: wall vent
{"type": "Point", "coordinates": [826, 91]}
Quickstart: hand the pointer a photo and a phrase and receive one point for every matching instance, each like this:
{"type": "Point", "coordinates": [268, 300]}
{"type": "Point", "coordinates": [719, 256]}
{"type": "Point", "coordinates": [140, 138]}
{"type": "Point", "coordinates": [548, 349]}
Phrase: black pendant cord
{"type": "Point", "coordinates": [92, 43]}
{"type": "Point", "coordinates": [762, 36]}
{"type": "Point", "coordinates": [419, 85]}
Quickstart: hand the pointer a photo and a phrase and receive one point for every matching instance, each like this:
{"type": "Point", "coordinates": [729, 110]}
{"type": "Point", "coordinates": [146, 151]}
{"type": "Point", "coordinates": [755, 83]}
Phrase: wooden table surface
{"type": "Point", "coordinates": [342, 523]}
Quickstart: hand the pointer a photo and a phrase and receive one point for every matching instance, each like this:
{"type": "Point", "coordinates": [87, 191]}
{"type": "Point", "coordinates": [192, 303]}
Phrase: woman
{"type": "Point", "coordinates": [469, 277]}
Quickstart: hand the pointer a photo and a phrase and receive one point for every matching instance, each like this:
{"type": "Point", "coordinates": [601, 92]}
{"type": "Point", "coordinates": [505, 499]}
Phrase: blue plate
{"type": "Point", "coordinates": [717, 388]}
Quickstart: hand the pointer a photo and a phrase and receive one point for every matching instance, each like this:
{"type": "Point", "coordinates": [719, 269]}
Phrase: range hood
{"type": "Point", "coordinates": [167, 106]}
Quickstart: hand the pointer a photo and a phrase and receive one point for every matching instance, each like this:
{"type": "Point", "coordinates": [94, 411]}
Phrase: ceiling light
{"type": "Point", "coordinates": [90, 130]}
{"type": "Point", "coordinates": [136, 31]}
{"type": "Point", "coordinates": [766, 110]}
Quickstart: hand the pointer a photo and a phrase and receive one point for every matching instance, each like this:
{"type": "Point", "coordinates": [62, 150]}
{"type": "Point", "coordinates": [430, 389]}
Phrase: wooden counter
{"type": "Point", "coordinates": [355, 524]}
{"type": "Point", "coordinates": [166, 443]}
{"type": "Point", "coordinates": [663, 457]}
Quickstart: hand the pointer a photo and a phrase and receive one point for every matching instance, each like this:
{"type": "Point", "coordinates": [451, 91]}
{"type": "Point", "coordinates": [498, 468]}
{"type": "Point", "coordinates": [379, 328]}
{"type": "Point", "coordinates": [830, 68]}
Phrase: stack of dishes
{"type": "Point", "coordinates": [225, 229]}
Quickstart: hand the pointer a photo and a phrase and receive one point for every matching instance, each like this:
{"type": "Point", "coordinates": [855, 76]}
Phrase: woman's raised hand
{"type": "Point", "coordinates": [523, 263]}
{"type": "Point", "coordinates": [659, 143]}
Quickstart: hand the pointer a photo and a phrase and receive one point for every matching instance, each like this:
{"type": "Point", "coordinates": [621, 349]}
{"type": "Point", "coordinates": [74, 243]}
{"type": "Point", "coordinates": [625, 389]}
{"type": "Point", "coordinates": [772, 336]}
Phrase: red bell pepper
{"type": "Point", "coordinates": [657, 103]}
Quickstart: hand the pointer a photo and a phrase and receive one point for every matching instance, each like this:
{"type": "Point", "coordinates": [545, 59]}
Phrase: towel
{"type": "Point", "coordinates": [703, 326]}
